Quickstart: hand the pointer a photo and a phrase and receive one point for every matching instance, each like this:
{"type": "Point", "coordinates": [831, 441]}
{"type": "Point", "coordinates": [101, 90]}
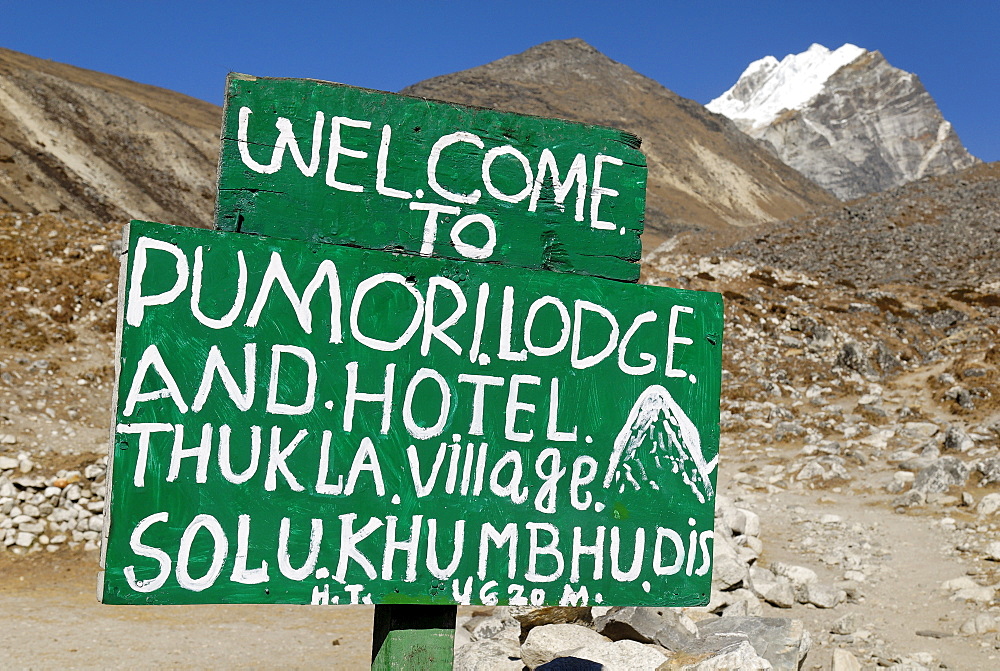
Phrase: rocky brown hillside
{"type": "Point", "coordinates": [91, 145]}
{"type": "Point", "coordinates": [703, 172]}
{"type": "Point", "coordinates": [940, 232]}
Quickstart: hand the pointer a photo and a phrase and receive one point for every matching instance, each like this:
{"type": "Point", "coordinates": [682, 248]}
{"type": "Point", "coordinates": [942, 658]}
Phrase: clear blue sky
{"type": "Point", "coordinates": [697, 48]}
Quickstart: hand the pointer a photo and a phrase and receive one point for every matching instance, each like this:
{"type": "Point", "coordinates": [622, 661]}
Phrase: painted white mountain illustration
{"type": "Point", "coordinates": [658, 439]}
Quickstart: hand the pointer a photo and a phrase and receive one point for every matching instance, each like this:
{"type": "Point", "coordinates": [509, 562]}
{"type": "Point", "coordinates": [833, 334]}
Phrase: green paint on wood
{"type": "Point", "coordinates": [325, 162]}
{"type": "Point", "coordinates": [309, 423]}
{"type": "Point", "coordinates": [417, 649]}
{"type": "Point", "coordinates": [413, 637]}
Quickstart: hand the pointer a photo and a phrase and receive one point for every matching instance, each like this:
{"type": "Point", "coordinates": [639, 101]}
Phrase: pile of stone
{"type": "Point", "coordinates": [740, 585]}
{"type": "Point", "coordinates": [728, 633]}
{"type": "Point", "coordinates": [927, 476]}
{"type": "Point", "coordinates": [627, 639]}
{"type": "Point", "coordinates": [49, 513]}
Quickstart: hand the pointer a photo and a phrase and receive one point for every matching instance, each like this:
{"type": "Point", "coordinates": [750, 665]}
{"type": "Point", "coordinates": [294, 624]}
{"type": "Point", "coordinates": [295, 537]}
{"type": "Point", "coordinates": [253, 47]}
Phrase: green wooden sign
{"type": "Point", "coordinates": [324, 162]}
{"type": "Point", "coordinates": [310, 423]}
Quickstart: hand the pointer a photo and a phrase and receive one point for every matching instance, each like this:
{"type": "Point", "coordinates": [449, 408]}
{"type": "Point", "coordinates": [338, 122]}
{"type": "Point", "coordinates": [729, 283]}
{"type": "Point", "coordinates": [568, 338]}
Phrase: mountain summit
{"type": "Point", "coordinates": [703, 172]}
{"type": "Point", "coordinates": [845, 118]}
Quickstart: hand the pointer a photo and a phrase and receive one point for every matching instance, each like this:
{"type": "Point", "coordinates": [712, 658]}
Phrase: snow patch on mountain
{"type": "Point", "coordinates": [767, 87]}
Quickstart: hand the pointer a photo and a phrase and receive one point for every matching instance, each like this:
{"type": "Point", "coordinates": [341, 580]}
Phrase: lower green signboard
{"type": "Point", "coordinates": [308, 423]}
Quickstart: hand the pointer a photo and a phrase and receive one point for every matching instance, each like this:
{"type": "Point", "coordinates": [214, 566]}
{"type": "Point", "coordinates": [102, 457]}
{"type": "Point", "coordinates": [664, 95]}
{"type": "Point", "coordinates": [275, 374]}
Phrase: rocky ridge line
{"type": "Point", "coordinates": [703, 172]}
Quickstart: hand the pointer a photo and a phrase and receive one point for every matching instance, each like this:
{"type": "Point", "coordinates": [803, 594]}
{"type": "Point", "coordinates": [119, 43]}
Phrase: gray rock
{"type": "Point", "coordinates": [942, 474]}
{"type": "Point", "coordinates": [94, 471]}
{"type": "Point", "coordinates": [761, 576]}
{"type": "Point", "coordinates": [983, 623]}
{"type": "Point", "coordinates": [728, 569]}
{"type": "Point", "coordinates": [782, 642]}
{"type": "Point", "coordinates": [990, 468]}
{"type": "Point", "coordinates": [845, 625]}
{"type": "Point", "coordinates": [961, 396]}
{"type": "Point", "coordinates": [811, 470]}
{"type": "Point", "coordinates": [988, 505]}
{"type": "Point", "coordinates": [902, 480]}
{"type": "Point", "coordinates": [957, 440]}
{"type": "Point", "coordinates": [740, 655]}
{"type": "Point", "coordinates": [631, 622]}
{"type": "Point", "coordinates": [530, 617]}
{"type": "Point", "coordinates": [834, 467]}
{"type": "Point", "coordinates": [978, 593]}
{"type": "Point", "coordinates": [799, 576]}
{"type": "Point", "coordinates": [8, 463]}
{"type": "Point", "coordinates": [786, 430]}
{"type": "Point", "coordinates": [844, 661]}
{"type": "Point", "coordinates": [992, 551]}
{"type": "Point", "coordinates": [743, 522]}
{"type": "Point", "coordinates": [743, 603]}
{"type": "Point", "coordinates": [917, 661]}
{"type": "Point", "coordinates": [498, 625]}
{"type": "Point", "coordinates": [920, 429]}
{"type": "Point", "coordinates": [548, 641]}
{"type": "Point", "coordinates": [619, 656]}
{"type": "Point", "coordinates": [462, 635]}
{"type": "Point", "coordinates": [853, 357]}
{"type": "Point", "coordinates": [751, 542]}
{"type": "Point", "coordinates": [489, 655]}
{"type": "Point", "coordinates": [885, 358]}
{"type": "Point", "coordinates": [32, 527]}
{"type": "Point", "coordinates": [779, 595]}
{"type": "Point", "coordinates": [746, 553]}
{"type": "Point", "coordinates": [914, 497]}
{"type": "Point", "coordinates": [718, 601]}
{"type": "Point", "coordinates": [823, 596]}
{"type": "Point", "coordinates": [647, 625]}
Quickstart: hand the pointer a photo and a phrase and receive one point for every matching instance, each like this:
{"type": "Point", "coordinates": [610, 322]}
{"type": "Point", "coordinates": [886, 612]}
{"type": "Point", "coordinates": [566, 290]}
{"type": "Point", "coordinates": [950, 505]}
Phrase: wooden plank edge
{"type": "Point", "coordinates": [108, 478]}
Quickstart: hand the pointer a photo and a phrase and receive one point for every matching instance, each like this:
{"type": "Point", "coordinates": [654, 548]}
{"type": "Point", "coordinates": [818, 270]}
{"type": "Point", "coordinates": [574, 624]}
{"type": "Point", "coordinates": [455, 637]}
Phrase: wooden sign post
{"type": "Point", "coordinates": [479, 412]}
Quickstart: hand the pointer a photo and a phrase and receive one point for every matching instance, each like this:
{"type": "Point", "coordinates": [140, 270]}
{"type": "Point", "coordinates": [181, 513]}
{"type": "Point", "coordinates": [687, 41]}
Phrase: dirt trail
{"type": "Point", "coordinates": [902, 595]}
{"type": "Point", "coordinates": [52, 620]}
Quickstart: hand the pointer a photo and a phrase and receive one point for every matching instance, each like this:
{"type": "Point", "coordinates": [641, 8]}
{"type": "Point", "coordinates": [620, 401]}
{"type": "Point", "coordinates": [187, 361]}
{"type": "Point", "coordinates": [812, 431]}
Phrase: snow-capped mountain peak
{"type": "Point", "coordinates": [768, 86]}
{"type": "Point", "coordinates": [845, 118]}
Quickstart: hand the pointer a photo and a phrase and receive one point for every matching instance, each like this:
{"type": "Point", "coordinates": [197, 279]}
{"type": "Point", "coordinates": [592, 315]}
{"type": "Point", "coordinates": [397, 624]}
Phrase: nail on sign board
{"type": "Point", "coordinates": [301, 422]}
{"type": "Point", "coordinates": [326, 162]}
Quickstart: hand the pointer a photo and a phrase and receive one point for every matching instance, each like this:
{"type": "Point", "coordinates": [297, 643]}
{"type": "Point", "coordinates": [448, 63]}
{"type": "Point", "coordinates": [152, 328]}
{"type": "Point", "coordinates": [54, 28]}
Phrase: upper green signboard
{"type": "Point", "coordinates": [311, 423]}
{"type": "Point", "coordinates": [325, 162]}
